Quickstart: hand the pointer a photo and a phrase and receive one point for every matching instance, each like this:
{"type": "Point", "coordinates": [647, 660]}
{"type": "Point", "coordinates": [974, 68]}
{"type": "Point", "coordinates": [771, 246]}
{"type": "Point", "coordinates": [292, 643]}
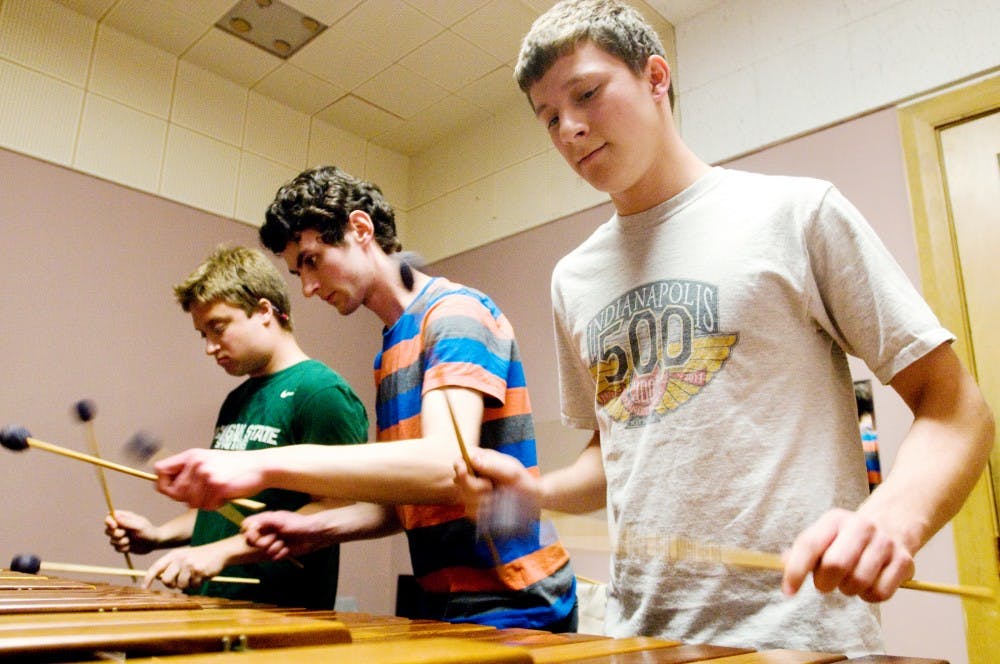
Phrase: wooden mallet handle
{"type": "Point", "coordinates": [85, 411]}
{"type": "Point", "coordinates": [18, 439]}
{"type": "Point", "coordinates": [31, 564]}
{"type": "Point", "coordinates": [683, 549]}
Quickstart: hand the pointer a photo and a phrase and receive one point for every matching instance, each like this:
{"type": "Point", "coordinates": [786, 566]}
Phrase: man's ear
{"type": "Point", "coordinates": [658, 75]}
{"type": "Point", "coordinates": [361, 225]}
{"type": "Point", "coordinates": [264, 307]}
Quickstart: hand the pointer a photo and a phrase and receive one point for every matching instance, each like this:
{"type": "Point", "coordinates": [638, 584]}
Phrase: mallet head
{"type": "Point", "coordinates": [27, 563]}
{"type": "Point", "coordinates": [14, 437]}
{"type": "Point", "coordinates": [85, 410]}
{"type": "Point", "coordinates": [142, 447]}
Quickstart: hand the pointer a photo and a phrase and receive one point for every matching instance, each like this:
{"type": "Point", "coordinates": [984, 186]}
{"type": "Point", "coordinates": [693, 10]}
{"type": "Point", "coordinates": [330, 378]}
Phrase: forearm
{"type": "Point", "coordinates": [321, 504]}
{"type": "Point", "coordinates": [410, 471]}
{"type": "Point", "coordinates": [580, 487]}
{"type": "Point", "coordinates": [235, 551]}
{"type": "Point", "coordinates": [177, 531]}
{"type": "Point", "coordinates": [938, 462]}
{"type": "Point", "coordinates": [358, 522]}
{"type": "Point", "coordinates": [918, 498]}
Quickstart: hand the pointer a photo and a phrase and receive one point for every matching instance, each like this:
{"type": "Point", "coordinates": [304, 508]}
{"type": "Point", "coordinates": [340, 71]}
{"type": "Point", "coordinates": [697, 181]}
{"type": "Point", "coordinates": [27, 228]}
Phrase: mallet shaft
{"type": "Point", "coordinates": [468, 464]}
{"type": "Point", "coordinates": [117, 571]}
{"type": "Point", "coordinates": [95, 450]}
{"type": "Point", "coordinates": [680, 549]}
{"type": "Point", "coordinates": [104, 463]}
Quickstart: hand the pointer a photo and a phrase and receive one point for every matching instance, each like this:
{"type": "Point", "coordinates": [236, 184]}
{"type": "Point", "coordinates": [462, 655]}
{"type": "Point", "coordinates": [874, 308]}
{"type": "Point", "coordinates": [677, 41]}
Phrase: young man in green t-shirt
{"type": "Point", "coordinates": [239, 304]}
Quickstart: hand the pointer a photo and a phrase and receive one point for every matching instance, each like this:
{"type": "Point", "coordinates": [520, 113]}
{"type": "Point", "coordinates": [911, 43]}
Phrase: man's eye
{"type": "Point", "coordinates": [553, 121]}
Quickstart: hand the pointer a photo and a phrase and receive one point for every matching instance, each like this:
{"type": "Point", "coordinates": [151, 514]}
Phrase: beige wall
{"type": "Point", "coordinates": [754, 72]}
{"type": "Point", "coordinates": [748, 73]}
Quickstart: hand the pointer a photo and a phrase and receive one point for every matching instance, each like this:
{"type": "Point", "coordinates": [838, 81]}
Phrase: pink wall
{"type": "Point", "coordinates": [89, 313]}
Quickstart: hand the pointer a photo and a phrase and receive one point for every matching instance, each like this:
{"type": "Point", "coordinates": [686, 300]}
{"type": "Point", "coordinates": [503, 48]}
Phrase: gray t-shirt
{"type": "Point", "coordinates": [705, 339]}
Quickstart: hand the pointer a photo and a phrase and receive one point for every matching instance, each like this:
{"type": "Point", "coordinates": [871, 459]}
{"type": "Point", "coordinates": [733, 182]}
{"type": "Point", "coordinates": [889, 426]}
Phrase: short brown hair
{"type": "Point", "coordinates": [611, 25]}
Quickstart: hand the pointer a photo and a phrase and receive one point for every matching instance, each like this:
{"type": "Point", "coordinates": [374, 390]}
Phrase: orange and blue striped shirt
{"type": "Point", "coordinates": [455, 336]}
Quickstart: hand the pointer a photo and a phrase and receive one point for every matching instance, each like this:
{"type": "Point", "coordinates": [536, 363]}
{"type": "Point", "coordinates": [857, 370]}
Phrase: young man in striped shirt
{"type": "Point", "coordinates": [447, 350]}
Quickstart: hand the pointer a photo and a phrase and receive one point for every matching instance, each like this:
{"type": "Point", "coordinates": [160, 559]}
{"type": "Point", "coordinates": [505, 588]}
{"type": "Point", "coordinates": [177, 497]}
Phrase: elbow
{"type": "Point", "coordinates": [982, 431]}
{"type": "Point", "coordinates": [989, 430]}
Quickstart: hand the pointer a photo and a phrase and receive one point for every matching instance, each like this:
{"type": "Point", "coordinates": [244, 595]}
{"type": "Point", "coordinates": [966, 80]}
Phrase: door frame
{"type": "Point", "coordinates": [976, 546]}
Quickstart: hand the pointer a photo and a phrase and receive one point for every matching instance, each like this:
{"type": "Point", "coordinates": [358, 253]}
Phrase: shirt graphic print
{"type": "Point", "coordinates": [653, 348]}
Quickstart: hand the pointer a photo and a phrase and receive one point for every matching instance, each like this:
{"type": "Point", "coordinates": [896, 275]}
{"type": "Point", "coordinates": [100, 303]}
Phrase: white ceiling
{"type": "Point", "coordinates": [401, 73]}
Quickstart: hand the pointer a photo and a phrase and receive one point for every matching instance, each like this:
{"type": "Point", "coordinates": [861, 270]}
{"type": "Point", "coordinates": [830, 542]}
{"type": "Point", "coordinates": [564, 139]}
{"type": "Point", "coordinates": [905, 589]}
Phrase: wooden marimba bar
{"type": "Point", "coordinates": [51, 619]}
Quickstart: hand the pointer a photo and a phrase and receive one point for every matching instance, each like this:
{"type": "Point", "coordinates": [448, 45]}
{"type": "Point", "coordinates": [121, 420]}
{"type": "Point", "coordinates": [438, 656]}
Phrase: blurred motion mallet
{"type": "Point", "coordinates": [85, 411]}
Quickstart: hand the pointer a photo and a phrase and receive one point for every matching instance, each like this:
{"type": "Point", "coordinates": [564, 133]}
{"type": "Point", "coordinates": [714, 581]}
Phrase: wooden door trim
{"type": "Point", "coordinates": [920, 123]}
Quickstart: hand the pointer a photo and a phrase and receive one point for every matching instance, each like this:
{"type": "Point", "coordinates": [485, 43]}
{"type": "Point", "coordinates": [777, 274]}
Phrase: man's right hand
{"type": "Point", "coordinates": [503, 496]}
{"type": "Point", "coordinates": [207, 479]}
{"type": "Point", "coordinates": [281, 533]}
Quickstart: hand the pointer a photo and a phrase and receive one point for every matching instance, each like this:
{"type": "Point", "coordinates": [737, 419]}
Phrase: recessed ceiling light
{"type": "Point", "coordinates": [272, 25]}
{"type": "Point", "coordinates": [239, 25]}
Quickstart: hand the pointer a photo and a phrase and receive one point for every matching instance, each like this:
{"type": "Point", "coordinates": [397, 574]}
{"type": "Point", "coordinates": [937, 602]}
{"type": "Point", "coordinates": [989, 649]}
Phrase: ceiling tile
{"type": "Point", "coordinates": [540, 5]}
{"type": "Point", "coordinates": [276, 131]}
{"type": "Point", "coordinates": [359, 117]}
{"type": "Point", "coordinates": [93, 8]}
{"type": "Point", "coordinates": [445, 117]}
{"type": "Point", "coordinates": [405, 71]}
{"type": "Point", "coordinates": [206, 11]}
{"type": "Point", "coordinates": [450, 61]}
{"type": "Point", "coordinates": [447, 12]}
{"type": "Point", "coordinates": [133, 72]}
{"type": "Point", "coordinates": [208, 103]}
{"type": "Point", "coordinates": [157, 22]}
{"type": "Point", "coordinates": [676, 11]}
{"type": "Point", "coordinates": [341, 57]}
{"type": "Point", "coordinates": [401, 91]}
{"type": "Point", "coordinates": [498, 27]}
{"type": "Point", "coordinates": [298, 89]}
{"type": "Point", "coordinates": [495, 90]}
{"type": "Point", "coordinates": [327, 12]}
{"type": "Point", "coordinates": [228, 56]}
{"type": "Point", "coordinates": [389, 27]}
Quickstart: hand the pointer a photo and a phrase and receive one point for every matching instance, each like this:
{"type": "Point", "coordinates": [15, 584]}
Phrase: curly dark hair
{"type": "Point", "coordinates": [322, 199]}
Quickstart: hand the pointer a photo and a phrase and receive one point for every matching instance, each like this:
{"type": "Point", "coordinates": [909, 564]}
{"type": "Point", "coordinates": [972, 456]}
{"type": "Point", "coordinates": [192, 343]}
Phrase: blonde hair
{"type": "Point", "coordinates": [239, 276]}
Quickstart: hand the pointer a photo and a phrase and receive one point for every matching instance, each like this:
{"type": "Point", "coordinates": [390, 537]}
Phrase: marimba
{"type": "Point", "coordinates": [47, 619]}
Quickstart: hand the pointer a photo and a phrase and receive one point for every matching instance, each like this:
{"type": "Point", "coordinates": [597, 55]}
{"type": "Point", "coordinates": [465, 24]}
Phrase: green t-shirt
{"type": "Point", "coordinates": [305, 403]}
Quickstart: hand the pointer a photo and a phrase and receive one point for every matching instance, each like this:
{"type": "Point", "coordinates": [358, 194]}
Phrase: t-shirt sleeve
{"type": "Point", "coordinates": [576, 383]}
{"type": "Point", "coordinates": [864, 299]}
{"type": "Point", "coordinates": [331, 415]}
{"type": "Point", "coordinates": [466, 346]}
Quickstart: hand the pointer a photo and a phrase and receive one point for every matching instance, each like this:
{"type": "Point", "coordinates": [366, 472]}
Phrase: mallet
{"type": "Point", "coordinates": [681, 548]}
{"type": "Point", "coordinates": [18, 439]}
{"type": "Point", "coordinates": [468, 464]}
{"type": "Point", "coordinates": [85, 411]}
{"type": "Point", "coordinates": [143, 447]}
{"type": "Point", "coordinates": [29, 563]}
